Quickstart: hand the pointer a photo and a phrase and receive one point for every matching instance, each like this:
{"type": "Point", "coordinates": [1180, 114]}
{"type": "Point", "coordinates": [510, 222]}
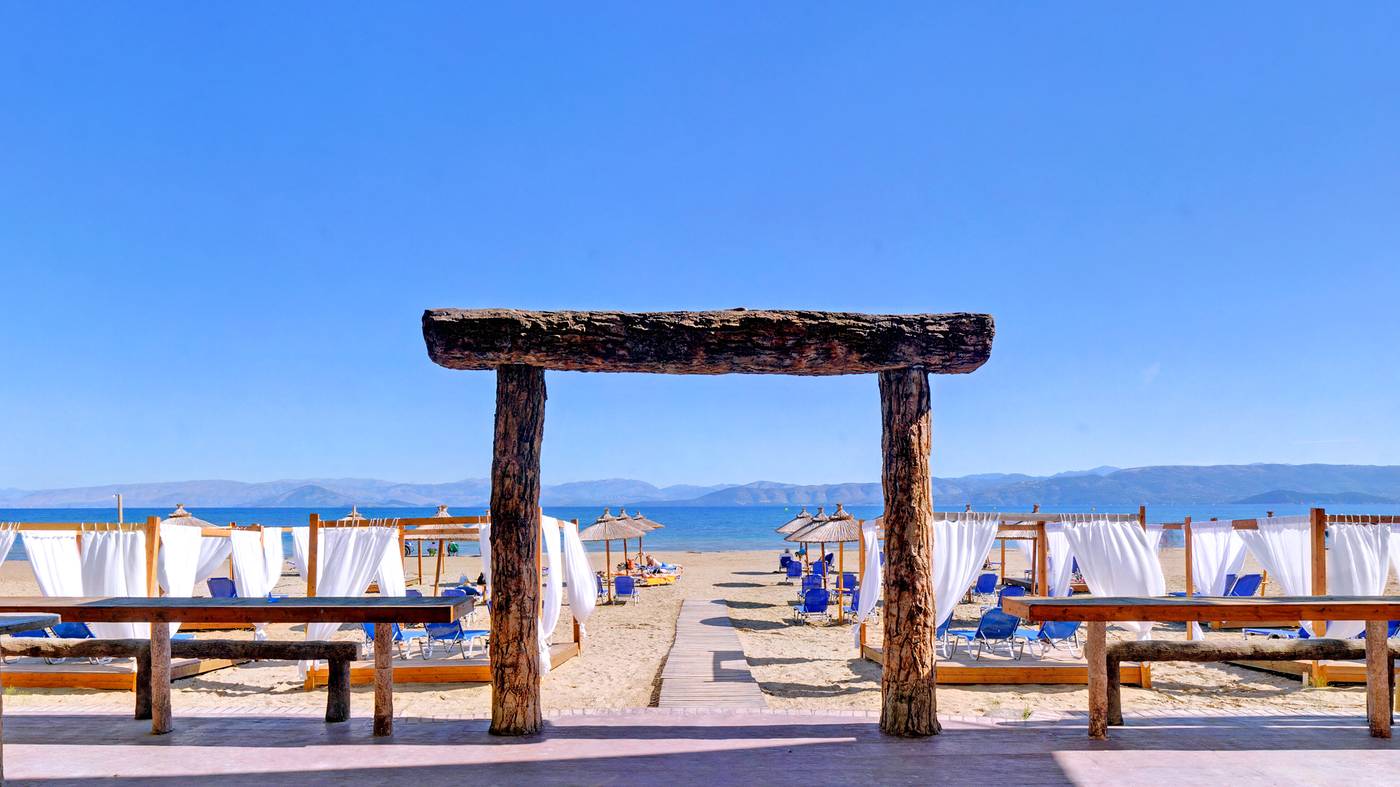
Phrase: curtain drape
{"type": "Point", "coordinates": [1116, 560]}
{"type": "Point", "coordinates": [301, 548]}
{"type": "Point", "coordinates": [1357, 565]}
{"type": "Point", "coordinates": [961, 543]}
{"type": "Point", "coordinates": [114, 564]}
{"type": "Point", "coordinates": [214, 551]}
{"type": "Point", "coordinates": [274, 556]}
{"type": "Point", "coordinates": [1283, 546]}
{"type": "Point", "coordinates": [8, 534]}
{"type": "Point", "coordinates": [1393, 547]}
{"type": "Point", "coordinates": [485, 544]}
{"type": "Point", "coordinates": [553, 589]}
{"type": "Point", "coordinates": [58, 568]}
{"type": "Point", "coordinates": [1215, 548]}
{"type": "Point", "coordinates": [872, 582]}
{"type": "Point", "coordinates": [178, 560]}
{"type": "Point", "coordinates": [582, 587]}
{"type": "Point", "coordinates": [1059, 559]}
{"type": "Point", "coordinates": [353, 556]}
{"type": "Point", "coordinates": [250, 576]}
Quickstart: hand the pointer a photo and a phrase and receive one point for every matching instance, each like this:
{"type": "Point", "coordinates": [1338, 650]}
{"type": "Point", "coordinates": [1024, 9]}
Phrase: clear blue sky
{"type": "Point", "coordinates": [219, 226]}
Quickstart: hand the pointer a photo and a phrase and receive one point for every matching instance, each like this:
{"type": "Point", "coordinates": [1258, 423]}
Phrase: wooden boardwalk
{"type": "Point", "coordinates": [706, 667]}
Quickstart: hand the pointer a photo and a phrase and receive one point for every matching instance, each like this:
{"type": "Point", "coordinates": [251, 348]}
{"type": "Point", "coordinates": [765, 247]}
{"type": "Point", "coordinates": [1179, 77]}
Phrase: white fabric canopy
{"type": "Point", "coordinates": [872, 581]}
{"type": "Point", "coordinates": [213, 552]}
{"type": "Point", "coordinates": [961, 543]}
{"type": "Point", "coordinates": [484, 534]}
{"type": "Point", "coordinates": [578, 574]}
{"type": "Point", "coordinates": [1154, 538]}
{"type": "Point", "coordinates": [250, 576]}
{"type": "Point", "coordinates": [1357, 565]}
{"type": "Point", "coordinates": [353, 556]}
{"type": "Point", "coordinates": [114, 564]}
{"type": "Point", "coordinates": [389, 576]}
{"type": "Point", "coordinates": [178, 560]}
{"type": "Point", "coordinates": [1059, 560]}
{"type": "Point", "coordinates": [1215, 548]}
{"type": "Point", "coordinates": [553, 588]}
{"type": "Point", "coordinates": [301, 548]}
{"type": "Point", "coordinates": [1283, 546]}
{"type": "Point", "coordinates": [8, 534]}
{"type": "Point", "coordinates": [58, 568]}
{"type": "Point", "coordinates": [1116, 560]}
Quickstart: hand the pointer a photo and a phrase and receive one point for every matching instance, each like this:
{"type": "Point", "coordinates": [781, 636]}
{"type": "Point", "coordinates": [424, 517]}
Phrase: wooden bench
{"type": "Point", "coordinates": [1246, 650]}
{"type": "Point", "coordinates": [337, 654]}
{"type": "Point", "coordinates": [1376, 611]}
{"type": "Point", "coordinates": [382, 611]}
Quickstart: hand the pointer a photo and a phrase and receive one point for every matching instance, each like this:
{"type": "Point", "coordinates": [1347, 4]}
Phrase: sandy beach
{"type": "Point", "coordinates": [797, 666]}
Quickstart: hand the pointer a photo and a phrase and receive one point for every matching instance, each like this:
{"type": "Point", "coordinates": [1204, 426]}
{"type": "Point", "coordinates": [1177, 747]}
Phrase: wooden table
{"type": "Point", "coordinates": [382, 611]}
{"type": "Point", "coordinates": [14, 624]}
{"type": "Point", "coordinates": [1377, 611]}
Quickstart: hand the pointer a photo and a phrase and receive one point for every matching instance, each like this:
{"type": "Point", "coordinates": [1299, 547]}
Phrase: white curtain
{"type": "Point", "coordinates": [1154, 538]}
{"type": "Point", "coordinates": [1059, 560]}
{"type": "Point", "coordinates": [961, 543]}
{"type": "Point", "coordinates": [389, 576]}
{"type": "Point", "coordinates": [1357, 565]}
{"type": "Point", "coordinates": [301, 548]}
{"type": "Point", "coordinates": [578, 573]}
{"type": "Point", "coordinates": [274, 555]}
{"type": "Point", "coordinates": [1283, 546]}
{"type": "Point", "coordinates": [353, 556]}
{"type": "Point", "coordinates": [58, 568]}
{"type": "Point", "coordinates": [872, 582]}
{"type": "Point", "coordinates": [1215, 548]}
{"type": "Point", "coordinates": [8, 534]}
{"type": "Point", "coordinates": [1394, 549]}
{"type": "Point", "coordinates": [553, 588]}
{"type": "Point", "coordinates": [1116, 560]}
{"type": "Point", "coordinates": [485, 536]}
{"type": "Point", "coordinates": [214, 551]}
{"type": "Point", "coordinates": [179, 558]}
{"type": "Point", "coordinates": [250, 576]}
{"type": "Point", "coordinates": [114, 564]}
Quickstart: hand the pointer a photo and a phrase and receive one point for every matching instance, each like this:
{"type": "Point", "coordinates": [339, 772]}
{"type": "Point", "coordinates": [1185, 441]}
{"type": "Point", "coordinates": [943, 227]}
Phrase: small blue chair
{"type": "Point", "coordinates": [855, 602]}
{"type": "Point", "coordinates": [784, 561]}
{"type": "Point", "coordinates": [401, 638]}
{"type": "Point", "coordinates": [849, 582]}
{"type": "Point", "coordinates": [819, 568]}
{"type": "Point", "coordinates": [941, 640]}
{"type": "Point", "coordinates": [1053, 634]}
{"type": "Point", "coordinates": [222, 587]}
{"type": "Point", "coordinates": [813, 606]}
{"type": "Point", "coordinates": [624, 588]}
{"type": "Point", "coordinates": [794, 571]}
{"type": "Point", "coordinates": [986, 585]}
{"type": "Point", "coordinates": [453, 634]}
{"type": "Point", "coordinates": [808, 583]}
{"type": "Point", "coordinates": [411, 593]}
{"type": "Point", "coordinates": [830, 559]}
{"type": "Point", "coordinates": [1244, 587]}
{"type": "Point", "coordinates": [995, 627]}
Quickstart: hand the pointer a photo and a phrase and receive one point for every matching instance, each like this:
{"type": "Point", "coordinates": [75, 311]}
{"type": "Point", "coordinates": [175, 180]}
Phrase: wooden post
{"type": "Point", "coordinates": [1190, 571]}
{"type": "Point", "coordinates": [338, 688]}
{"type": "Point", "coordinates": [384, 679]}
{"type": "Point", "coordinates": [908, 691]}
{"type": "Point", "coordinates": [437, 572]}
{"type": "Point", "coordinates": [313, 554]}
{"type": "Point", "coordinates": [152, 556]}
{"type": "Point", "coordinates": [418, 549]}
{"type": "Point", "coordinates": [515, 543]}
{"type": "Point", "coordinates": [607, 568]}
{"type": "Point", "coordinates": [1096, 653]}
{"type": "Point", "coordinates": [1003, 560]}
{"type": "Point", "coordinates": [160, 678]}
{"type": "Point", "coordinates": [1378, 666]}
{"type": "Point", "coordinates": [1318, 521]}
{"type": "Point", "coordinates": [1042, 560]}
{"type": "Point", "coordinates": [840, 581]}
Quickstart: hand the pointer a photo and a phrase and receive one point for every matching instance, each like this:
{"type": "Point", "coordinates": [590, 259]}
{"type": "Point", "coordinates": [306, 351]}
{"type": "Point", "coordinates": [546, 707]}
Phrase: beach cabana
{"type": "Point", "coordinates": [608, 528]}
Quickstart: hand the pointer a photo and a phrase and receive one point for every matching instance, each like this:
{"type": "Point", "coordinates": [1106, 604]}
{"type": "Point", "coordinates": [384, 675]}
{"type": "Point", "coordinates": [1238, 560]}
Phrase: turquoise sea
{"type": "Point", "coordinates": [686, 528]}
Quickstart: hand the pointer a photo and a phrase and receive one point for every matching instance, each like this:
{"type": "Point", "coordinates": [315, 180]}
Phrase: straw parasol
{"type": "Point", "coordinates": [840, 528]}
{"type": "Point", "coordinates": [182, 517]}
{"type": "Point", "coordinates": [608, 528]}
{"type": "Point", "coordinates": [353, 516]}
{"type": "Point", "coordinates": [642, 522]}
{"type": "Point", "coordinates": [798, 522]}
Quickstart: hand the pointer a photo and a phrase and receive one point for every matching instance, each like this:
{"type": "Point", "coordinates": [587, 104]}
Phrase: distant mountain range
{"type": "Point", "coordinates": [1164, 485]}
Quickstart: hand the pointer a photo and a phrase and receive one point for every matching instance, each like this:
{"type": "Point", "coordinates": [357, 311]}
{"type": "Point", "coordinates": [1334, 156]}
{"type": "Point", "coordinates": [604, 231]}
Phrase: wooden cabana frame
{"type": "Point", "coordinates": [117, 677]}
{"type": "Point", "coordinates": [901, 349]}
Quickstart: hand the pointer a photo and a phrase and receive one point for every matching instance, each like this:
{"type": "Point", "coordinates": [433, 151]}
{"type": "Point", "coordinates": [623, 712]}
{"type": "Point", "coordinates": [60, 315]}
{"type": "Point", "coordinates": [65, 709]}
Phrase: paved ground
{"type": "Point", "coordinates": [706, 667]}
{"type": "Point", "coordinates": [687, 747]}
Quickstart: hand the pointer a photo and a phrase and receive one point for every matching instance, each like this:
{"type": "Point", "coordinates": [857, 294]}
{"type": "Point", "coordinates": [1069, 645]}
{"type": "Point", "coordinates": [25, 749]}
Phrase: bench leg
{"type": "Point", "coordinates": [383, 679]}
{"type": "Point", "coordinates": [143, 686]}
{"type": "Point", "coordinates": [338, 691]}
{"type": "Point", "coordinates": [160, 678]}
{"type": "Point", "coordinates": [1115, 693]}
{"type": "Point", "coordinates": [1096, 652]}
{"type": "Point", "coordinates": [1377, 679]}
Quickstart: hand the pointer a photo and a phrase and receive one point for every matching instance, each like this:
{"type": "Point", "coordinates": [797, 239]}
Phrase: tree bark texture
{"type": "Point", "coordinates": [515, 543]}
{"type": "Point", "coordinates": [719, 342]}
{"type": "Point", "coordinates": [909, 695]}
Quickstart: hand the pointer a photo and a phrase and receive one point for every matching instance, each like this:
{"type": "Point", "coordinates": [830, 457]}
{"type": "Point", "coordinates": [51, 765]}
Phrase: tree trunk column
{"type": "Point", "coordinates": [909, 702]}
{"type": "Point", "coordinates": [515, 543]}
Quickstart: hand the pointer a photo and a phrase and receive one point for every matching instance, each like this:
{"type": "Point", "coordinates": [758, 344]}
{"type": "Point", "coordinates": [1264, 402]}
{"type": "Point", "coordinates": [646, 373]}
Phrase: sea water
{"type": "Point", "coordinates": [687, 528]}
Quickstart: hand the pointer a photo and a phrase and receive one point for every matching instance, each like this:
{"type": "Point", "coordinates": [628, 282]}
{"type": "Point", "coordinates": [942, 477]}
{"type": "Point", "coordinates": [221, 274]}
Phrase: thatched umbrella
{"type": "Point", "coordinates": [608, 528]}
{"type": "Point", "coordinates": [795, 524]}
{"type": "Point", "coordinates": [646, 525]}
{"type": "Point", "coordinates": [353, 516]}
{"type": "Point", "coordinates": [840, 528]}
{"type": "Point", "coordinates": [182, 517]}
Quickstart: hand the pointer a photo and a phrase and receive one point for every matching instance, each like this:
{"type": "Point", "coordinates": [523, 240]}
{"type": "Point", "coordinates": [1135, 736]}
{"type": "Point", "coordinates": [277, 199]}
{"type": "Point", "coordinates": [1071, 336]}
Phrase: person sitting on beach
{"type": "Point", "coordinates": [651, 562]}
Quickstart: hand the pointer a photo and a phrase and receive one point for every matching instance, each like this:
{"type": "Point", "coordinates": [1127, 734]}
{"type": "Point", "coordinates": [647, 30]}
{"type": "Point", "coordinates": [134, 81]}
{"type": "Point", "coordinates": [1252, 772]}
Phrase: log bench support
{"type": "Point", "coordinates": [1379, 654]}
{"type": "Point", "coordinates": [338, 654]}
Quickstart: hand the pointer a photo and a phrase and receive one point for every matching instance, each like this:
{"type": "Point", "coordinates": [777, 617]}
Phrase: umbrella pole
{"type": "Point", "coordinates": [437, 574]}
{"type": "Point", "coordinates": [840, 581]}
{"type": "Point", "coordinates": [607, 566]}
{"type": "Point", "coordinates": [822, 557]}
{"type": "Point", "coordinates": [418, 548]}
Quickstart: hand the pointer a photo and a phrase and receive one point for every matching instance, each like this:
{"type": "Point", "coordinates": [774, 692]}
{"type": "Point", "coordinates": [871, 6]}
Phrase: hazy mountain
{"type": "Point", "coordinates": [1311, 498]}
{"type": "Point", "coordinates": [1164, 485]}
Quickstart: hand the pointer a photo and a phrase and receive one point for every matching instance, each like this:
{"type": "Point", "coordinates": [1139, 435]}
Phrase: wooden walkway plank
{"type": "Point", "coordinates": [706, 667]}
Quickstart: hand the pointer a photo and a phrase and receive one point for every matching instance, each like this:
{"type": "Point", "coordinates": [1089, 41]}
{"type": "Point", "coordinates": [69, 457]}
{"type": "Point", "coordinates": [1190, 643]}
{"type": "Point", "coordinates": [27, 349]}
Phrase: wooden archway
{"type": "Point", "coordinates": [902, 349]}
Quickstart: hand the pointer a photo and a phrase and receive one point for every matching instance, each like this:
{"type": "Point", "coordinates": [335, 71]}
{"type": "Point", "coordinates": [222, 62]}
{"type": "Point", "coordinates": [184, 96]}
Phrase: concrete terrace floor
{"type": "Point", "coordinates": [697, 746]}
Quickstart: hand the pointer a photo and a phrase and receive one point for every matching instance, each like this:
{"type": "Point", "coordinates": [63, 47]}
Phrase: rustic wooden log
{"type": "Point", "coordinates": [383, 679]}
{"type": "Point", "coordinates": [161, 722]}
{"type": "Point", "coordinates": [1237, 650]}
{"type": "Point", "coordinates": [719, 342]}
{"type": "Point", "coordinates": [143, 685]}
{"type": "Point", "coordinates": [180, 648]}
{"type": "Point", "coordinates": [1095, 653]}
{"type": "Point", "coordinates": [909, 700]}
{"type": "Point", "coordinates": [1378, 666]}
{"type": "Point", "coordinates": [338, 691]}
{"type": "Point", "coordinates": [515, 542]}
